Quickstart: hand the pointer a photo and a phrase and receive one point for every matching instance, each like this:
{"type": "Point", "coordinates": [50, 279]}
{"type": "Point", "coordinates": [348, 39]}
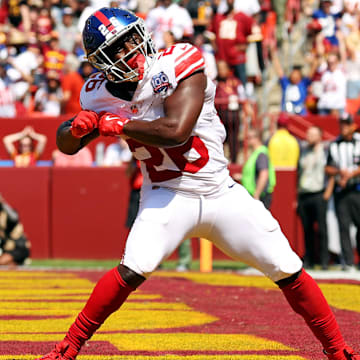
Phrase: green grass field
{"type": "Point", "coordinates": [108, 264]}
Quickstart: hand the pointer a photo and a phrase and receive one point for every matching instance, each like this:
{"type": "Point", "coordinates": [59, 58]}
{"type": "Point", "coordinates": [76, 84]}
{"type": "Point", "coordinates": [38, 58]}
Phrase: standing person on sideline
{"type": "Point", "coordinates": [231, 105]}
{"type": "Point", "coordinates": [344, 163]}
{"type": "Point", "coordinates": [258, 175]}
{"type": "Point", "coordinates": [168, 116]}
{"type": "Point", "coordinates": [284, 149]}
{"type": "Point", "coordinates": [312, 205]}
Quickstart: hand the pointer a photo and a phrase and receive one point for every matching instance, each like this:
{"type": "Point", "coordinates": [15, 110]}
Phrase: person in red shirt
{"type": "Point", "coordinates": [54, 57]}
{"type": "Point", "coordinates": [71, 84]}
{"type": "Point", "coordinates": [231, 30]}
{"type": "Point", "coordinates": [26, 154]}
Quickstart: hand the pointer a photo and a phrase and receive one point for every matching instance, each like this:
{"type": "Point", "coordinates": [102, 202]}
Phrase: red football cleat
{"type": "Point", "coordinates": [62, 351]}
{"type": "Point", "coordinates": [344, 354]}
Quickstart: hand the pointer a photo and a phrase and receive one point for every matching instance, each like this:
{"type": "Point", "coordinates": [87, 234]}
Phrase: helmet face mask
{"type": "Point", "coordinates": [104, 36]}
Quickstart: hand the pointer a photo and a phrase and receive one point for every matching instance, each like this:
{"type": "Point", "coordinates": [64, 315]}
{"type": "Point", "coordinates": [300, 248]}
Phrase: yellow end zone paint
{"type": "Point", "coordinates": [221, 279]}
{"type": "Point", "coordinates": [119, 321]}
{"type": "Point", "coordinates": [153, 315]}
{"type": "Point", "coordinates": [34, 274]}
{"type": "Point", "coordinates": [190, 342]}
{"type": "Point", "coordinates": [341, 296]}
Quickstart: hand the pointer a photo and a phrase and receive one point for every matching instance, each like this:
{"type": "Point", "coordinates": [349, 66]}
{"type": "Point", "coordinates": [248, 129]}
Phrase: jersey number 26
{"type": "Point", "coordinates": [156, 159]}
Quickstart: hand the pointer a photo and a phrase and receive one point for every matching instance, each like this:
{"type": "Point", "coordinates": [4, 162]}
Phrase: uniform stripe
{"type": "Point", "coordinates": [103, 19]}
{"type": "Point", "coordinates": [187, 64]}
{"type": "Point", "coordinates": [191, 69]}
{"type": "Point", "coordinates": [191, 54]}
{"type": "Point", "coordinates": [191, 49]}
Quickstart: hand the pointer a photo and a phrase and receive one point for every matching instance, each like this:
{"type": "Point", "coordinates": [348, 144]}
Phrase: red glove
{"type": "Point", "coordinates": [111, 124]}
{"type": "Point", "coordinates": [84, 123]}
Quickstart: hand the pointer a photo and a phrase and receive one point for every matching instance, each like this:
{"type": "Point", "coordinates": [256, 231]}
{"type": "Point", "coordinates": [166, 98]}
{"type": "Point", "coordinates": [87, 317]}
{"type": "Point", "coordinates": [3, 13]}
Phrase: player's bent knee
{"type": "Point", "coordinates": [284, 282]}
{"type": "Point", "coordinates": [130, 277]}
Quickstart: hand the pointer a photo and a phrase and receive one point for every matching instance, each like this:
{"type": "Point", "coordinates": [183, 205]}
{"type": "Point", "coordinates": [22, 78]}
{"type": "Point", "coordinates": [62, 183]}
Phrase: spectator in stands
{"type": "Point", "coordinates": [71, 84]}
{"type": "Point", "coordinates": [117, 154]}
{"type": "Point", "coordinates": [349, 18]}
{"type": "Point", "coordinates": [22, 69]}
{"type": "Point", "coordinates": [311, 203]}
{"type": "Point", "coordinates": [294, 87]}
{"type": "Point", "coordinates": [229, 92]}
{"type": "Point", "coordinates": [48, 97]}
{"type": "Point", "coordinates": [54, 57]}
{"type": "Point", "coordinates": [26, 154]}
{"type": "Point", "coordinates": [14, 245]}
{"type": "Point", "coordinates": [67, 31]}
{"type": "Point", "coordinates": [7, 100]}
{"type": "Point", "coordinates": [18, 15]}
{"type": "Point", "coordinates": [44, 25]}
{"type": "Point", "coordinates": [283, 147]}
{"type": "Point", "coordinates": [333, 87]}
{"type": "Point", "coordinates": [352, 69]}
{"type": "Point", "coordinates": [258, 174]}
{"type": "Point", "coordinates": [255, 64]}
{"type": "Point", "coordinates": [125, 4]}
{"type": "Point", "coordinates": [84, 9]}
{"type": "Point", "coordinates": [325, 24]}
{"type": "Point", "coordinates": [86, 70]}
{"type": "Point", "coordinates": [279, 6]}
{"type": "Point", "coordinates": [248, 7]}
{"type": "Point", "coordinates": [343, 162]}
{"type": "Point", "coordinates": [83, 158]}
{"type": "Point", "coordinates": [207, 51]}
{"type": "Point", "coordinates": [230, 31]}
{"type": "Point", "coordinates": [34, 15]}
{"type": "Point", "coordinates": [168, 16]}
{"type": "Point", "coordinates": [201, 13]}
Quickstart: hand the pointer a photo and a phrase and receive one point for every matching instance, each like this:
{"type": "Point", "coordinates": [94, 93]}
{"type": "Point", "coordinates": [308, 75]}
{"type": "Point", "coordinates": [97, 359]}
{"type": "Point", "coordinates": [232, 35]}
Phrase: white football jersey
{"type": "Point", "coordinates": [197, 166]}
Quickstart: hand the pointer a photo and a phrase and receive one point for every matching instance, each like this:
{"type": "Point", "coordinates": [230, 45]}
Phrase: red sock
{"type": "Point", "coordinates": [108, 295]}
{"type": "Point", "coordinates": [306, 299]}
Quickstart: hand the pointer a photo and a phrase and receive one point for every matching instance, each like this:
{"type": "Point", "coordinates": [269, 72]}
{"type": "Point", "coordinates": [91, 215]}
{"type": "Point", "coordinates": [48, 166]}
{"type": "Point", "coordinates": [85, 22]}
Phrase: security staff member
{"type": "Point", "coordinates": [344, 163]}
{"type": "Point", "coordinates": [258, 175]}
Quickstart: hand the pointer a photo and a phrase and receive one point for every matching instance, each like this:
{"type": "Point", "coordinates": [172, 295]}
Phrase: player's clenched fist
{"type": "Point", "coordinates": [84, 123]}
{"type": "Point", "coordinates": [111, 124]}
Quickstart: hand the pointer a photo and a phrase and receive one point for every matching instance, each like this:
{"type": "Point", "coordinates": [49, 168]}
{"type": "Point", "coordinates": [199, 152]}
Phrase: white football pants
{"type": "Point", "coordinates": [233, 221]}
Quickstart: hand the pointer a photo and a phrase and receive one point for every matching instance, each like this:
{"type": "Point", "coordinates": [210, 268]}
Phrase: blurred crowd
{"type": "Point", "coordinates": [43, 67]}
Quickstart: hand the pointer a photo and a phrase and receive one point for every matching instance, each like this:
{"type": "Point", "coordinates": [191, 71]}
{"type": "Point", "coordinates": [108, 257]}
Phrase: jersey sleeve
{"type": "Point", "coordinates": [91, 94]}
{"type": "Point", "coordinates": [188, 60]}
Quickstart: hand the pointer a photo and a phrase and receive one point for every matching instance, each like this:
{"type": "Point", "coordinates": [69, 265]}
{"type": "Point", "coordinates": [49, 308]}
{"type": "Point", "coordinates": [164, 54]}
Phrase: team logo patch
{"type": "Point", "coordinates": [160, 83]}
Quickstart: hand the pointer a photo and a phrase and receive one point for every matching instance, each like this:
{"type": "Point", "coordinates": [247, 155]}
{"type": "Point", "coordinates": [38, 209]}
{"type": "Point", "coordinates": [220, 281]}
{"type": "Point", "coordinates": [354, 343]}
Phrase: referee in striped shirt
{"type": "Point", "coordinates": [344, 163]}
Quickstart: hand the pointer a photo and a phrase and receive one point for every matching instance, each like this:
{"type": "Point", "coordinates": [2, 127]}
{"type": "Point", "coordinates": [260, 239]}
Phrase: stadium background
{"type": "Point", "coordinates": [48, 198]}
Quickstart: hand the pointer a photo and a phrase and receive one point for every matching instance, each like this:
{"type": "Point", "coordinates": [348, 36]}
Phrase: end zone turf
{"type": "Point", "coordinates": [193, 316]}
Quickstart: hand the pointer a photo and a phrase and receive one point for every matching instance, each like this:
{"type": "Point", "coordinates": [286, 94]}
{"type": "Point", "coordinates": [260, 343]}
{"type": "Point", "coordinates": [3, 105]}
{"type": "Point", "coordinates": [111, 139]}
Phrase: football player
{"type": "Point", "coordinates": [163, 104]}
